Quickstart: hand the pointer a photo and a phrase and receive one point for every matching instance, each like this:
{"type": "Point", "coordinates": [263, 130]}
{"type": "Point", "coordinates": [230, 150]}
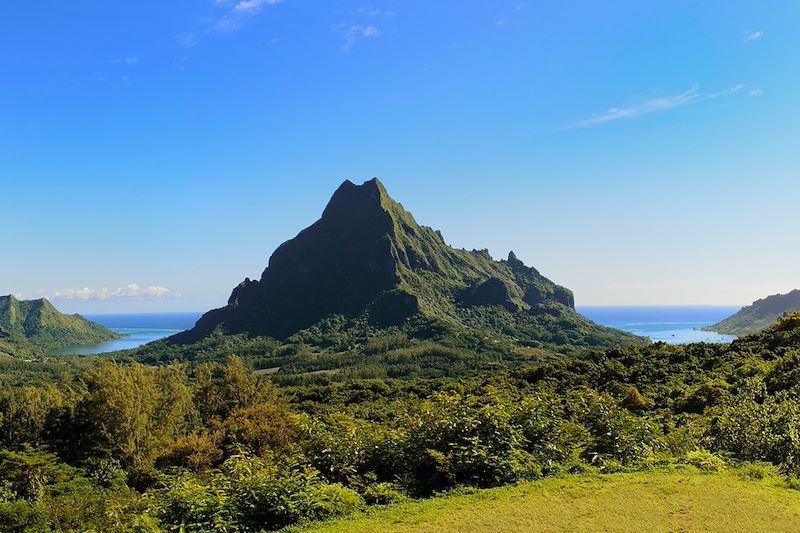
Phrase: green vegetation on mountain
{"type": "Point", "coordinates": [366, 277]}
{"type": "Point", "coordinates": [216, 447]}
{"type": "Point", "coordinates": [27, 327]}
{"type": "Point", "coordinates": [759, 315]}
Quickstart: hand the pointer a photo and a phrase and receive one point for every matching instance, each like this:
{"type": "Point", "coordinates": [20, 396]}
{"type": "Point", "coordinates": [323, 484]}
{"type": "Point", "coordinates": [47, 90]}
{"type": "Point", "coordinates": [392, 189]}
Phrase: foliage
{"type": "Point", "coordinates": [131, 413]}
{"type": "Point", "coordinates": [219, 447]}
{"type": "Point", "coordinates": [253, 494]}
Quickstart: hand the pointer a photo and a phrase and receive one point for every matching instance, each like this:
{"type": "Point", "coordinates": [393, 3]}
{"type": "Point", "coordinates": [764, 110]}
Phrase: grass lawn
{"type": "Point", "coordinates": [653, 501]}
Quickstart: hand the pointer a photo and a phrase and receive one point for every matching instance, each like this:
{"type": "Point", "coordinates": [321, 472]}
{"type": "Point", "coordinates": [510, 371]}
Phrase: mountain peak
{"type": "Point", "coordinates": [368, 198]}
{"type": "Point", "coordinates": [39, 321]}
{"type": "Point", "coordinates": [367, 260]}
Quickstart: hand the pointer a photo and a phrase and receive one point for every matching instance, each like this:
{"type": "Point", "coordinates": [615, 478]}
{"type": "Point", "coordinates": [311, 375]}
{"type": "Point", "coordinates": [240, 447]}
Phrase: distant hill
{"type": "Point", "coordinates": [26, 323]}
{"type": "Point", "coordinates": [760, 315]}
{"type": "Point", "coordinates": [366, 266]}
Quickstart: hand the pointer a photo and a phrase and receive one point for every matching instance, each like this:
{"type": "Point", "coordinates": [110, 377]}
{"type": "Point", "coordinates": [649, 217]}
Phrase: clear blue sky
{"type": "Point", "coordinates": [637, 152]}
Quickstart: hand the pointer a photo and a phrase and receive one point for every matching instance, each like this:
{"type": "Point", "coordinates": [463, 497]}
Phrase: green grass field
{"type": "Point", "coordinates": [660, 501]}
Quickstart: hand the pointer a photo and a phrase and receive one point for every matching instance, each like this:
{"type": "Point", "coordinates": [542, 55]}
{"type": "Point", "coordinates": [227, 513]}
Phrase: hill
{"type": "Point", "coordinates": [26, 325]}
{"type": "Point", "coordinates": [760, 315]}
{"type": "Point", "coordinates": [366, 267]}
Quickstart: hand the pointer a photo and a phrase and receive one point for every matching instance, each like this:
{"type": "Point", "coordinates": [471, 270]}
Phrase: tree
{"type": "Point", "coordinates": [136, 411]}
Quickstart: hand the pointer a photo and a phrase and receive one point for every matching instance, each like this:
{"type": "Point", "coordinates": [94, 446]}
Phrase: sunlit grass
{"type": "Point", "coordinates": [661, 501]}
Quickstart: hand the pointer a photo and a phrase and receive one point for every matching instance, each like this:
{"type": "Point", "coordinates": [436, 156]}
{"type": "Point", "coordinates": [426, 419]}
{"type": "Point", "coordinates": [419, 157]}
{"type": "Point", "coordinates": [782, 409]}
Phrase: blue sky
{"type": "Point", "coordinates": [153, 154]}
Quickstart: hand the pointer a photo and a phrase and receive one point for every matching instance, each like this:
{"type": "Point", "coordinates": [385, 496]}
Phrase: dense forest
{"type": "Point", "coordinates": [93, 444]}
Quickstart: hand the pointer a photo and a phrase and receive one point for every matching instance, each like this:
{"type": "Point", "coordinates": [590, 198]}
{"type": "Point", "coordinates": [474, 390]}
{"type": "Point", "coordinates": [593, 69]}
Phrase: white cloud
{"type": "Point", "coordinates": [230, 16]}
{"type": "Point", "coordinates": [755, 92]}
{"type": "Point", "coordinates": [189, 39]}
{"type": "Point", "coordinates": [250, 6]}
{"type": "Point", "coordinates": [654, 105]}
{"type": "Point", "coordinates": [731, 90]}
{"type": "Point", "coordinates": [650, 106]}
{"type": "Point", "coordinates": [131, 292]}
{"type": "Point", "coordinates": [375, 12]}
{"type": "Point", "coordinates": [236, 16]}
{"type": "Point", "coordinates": [131, 60]}
{"type": "Point", "coordinates": [750, 36]}
{"type": "Point", "coordinates": [357, 32]}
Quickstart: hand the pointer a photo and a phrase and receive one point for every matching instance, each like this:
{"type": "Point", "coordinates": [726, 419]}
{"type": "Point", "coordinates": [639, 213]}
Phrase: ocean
{"type": "Point", "coordinates": [138, 329]}
{"type": "Point", "coordinates": [674, 325]}
{"type": "Point", "coordinates": [670, 324]}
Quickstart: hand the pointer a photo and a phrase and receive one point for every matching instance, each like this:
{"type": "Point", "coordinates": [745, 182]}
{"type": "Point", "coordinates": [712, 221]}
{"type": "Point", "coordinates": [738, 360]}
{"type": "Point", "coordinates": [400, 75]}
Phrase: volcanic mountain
{"type": "Point", "coordinates": [38, 323]}
{"type": "Point", "coordinates": [368, 260]}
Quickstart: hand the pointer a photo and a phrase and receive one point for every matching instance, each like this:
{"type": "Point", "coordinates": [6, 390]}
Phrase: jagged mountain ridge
{"type": "Point", "coordinates": [37, 321]}
{"type": "Point", "coordinates": [367, 256]}
{"type": "Point", "coordinates": [759, 315]}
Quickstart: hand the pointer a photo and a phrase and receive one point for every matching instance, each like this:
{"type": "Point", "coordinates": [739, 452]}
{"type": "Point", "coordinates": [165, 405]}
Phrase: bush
{"type": "Point", "coordinates": [705, 461]}
{"type": "Point", "coordinates": [615, 433]}
{"type": "Point", "coordinates": [254, 494]}
{"type": "Point", "coordinates": [189, 504]}
{"type": "Point", "coordinates": [757, 470]}
{"type": "Point", "coordinates": [757, 427]}
{"type": "Point", "coordinates": [634, 401]}
{"type": "Point", "coordinates": [453, 439]}
{"type": "Point", "coordinates": [260, 429]}
{"type": "Point", "coordinates": [21, 515]}
{"type": "Point", "coordinates": [383, 494]}
{"type": "Point", "coordinates": [196, 452]}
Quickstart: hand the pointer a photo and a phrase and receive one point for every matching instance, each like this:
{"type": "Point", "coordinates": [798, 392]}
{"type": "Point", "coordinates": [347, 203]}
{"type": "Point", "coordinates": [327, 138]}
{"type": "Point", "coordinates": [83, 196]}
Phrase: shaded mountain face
{"type": "Point", "coordinates": [339, 265]}
{"type": "Point", "coordinates": [368, 258]}
{"type": "Point", "coordinates": [759, 315]}
{"type": "Point", "coordinates": [39, 322]}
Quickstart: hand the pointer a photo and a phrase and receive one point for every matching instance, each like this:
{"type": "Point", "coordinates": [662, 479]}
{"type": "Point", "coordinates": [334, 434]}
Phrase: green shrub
{"type": "Point", "coordinates": [704, 460]}
{"type": "Point", "coordinates": [614, 433]}
{"type": "Point", "coordinates": [758, 470]}
{"type": "Point", "coordinates": [383, 494]}
{"type": "Point", "coordinates": [758, 427]}
{"type": "Point", "coordinates": [22, 516]}
{"type": "Point", "coordinates": [262, 494]}
{"type": "Point", "coordinates": [192, 505]}
{"type": "Point", "coordinates": [634, 400]}
{"type": "Point", "coordinates": [253, 494]}
{"type": "Point", "coordinates": [452, 439]}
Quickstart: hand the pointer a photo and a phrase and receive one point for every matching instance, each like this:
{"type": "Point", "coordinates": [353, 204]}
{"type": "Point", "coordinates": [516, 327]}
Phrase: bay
{"type": "Point", "coordinates": [137, 330]}
{"type": "Point", "coordinates": [670, 324]}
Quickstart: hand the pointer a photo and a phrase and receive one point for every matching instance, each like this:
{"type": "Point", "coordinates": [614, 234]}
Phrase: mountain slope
{"type": "Point", "coordinates": [368, 261]}
{"type": "Point", "coordinates": [759, 315]}
{"type": "Point", "coordinates": [38, 323]}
